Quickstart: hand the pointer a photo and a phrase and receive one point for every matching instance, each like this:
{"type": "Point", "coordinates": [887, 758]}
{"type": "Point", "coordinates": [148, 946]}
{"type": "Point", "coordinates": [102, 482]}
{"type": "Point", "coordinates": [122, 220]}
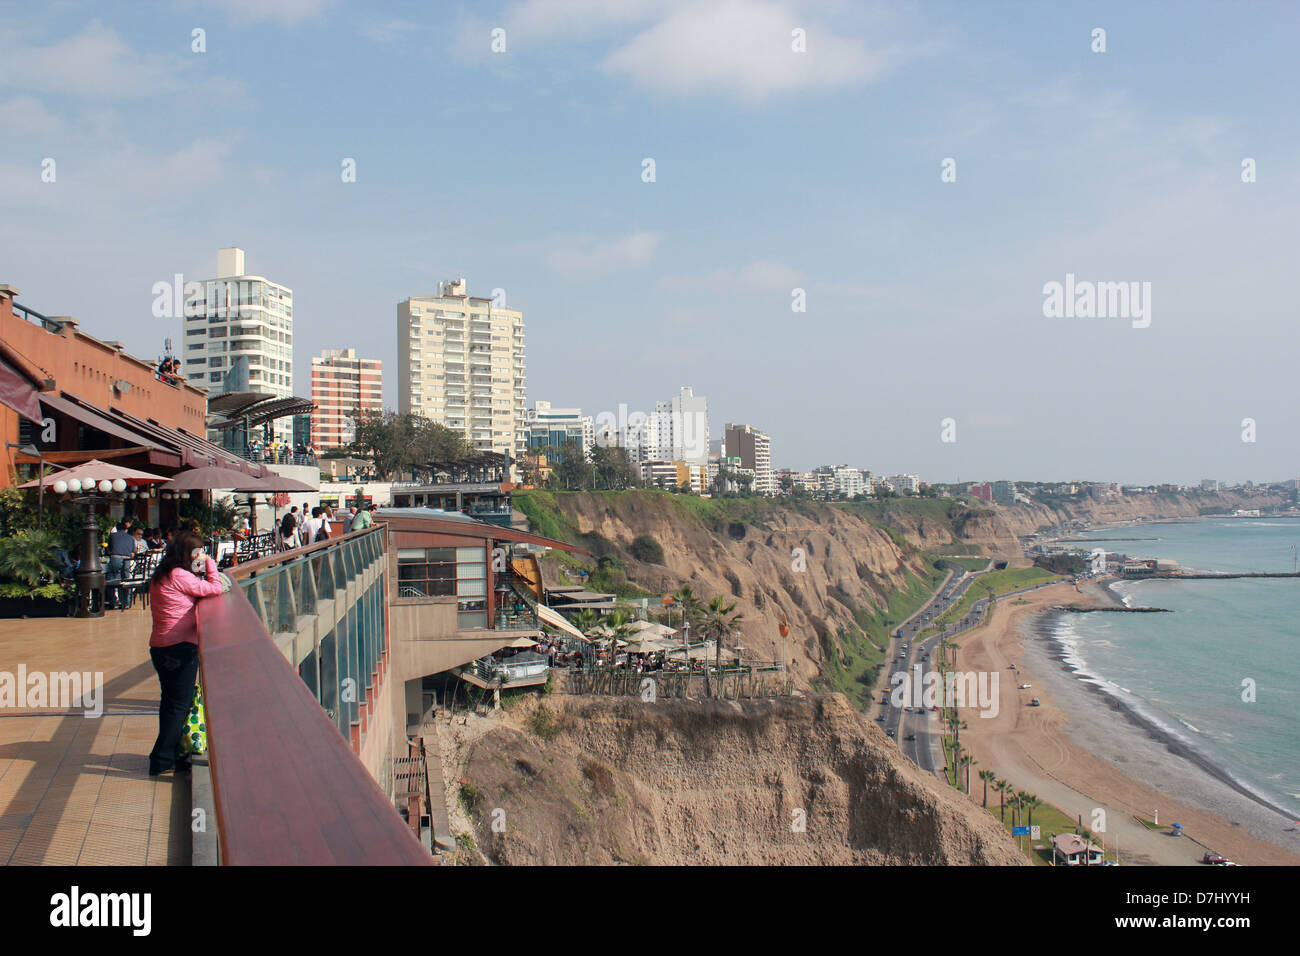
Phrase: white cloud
{"type": "Point", "coordinates": [762, 275]}
{"type": "Point", "coordinates": [95, 63]}
{"type": "Point", "coordinates": [26, 116]}
{"type": "Point", "coordinates": [98, 64]}
{"type": "Point", "coordinates": [742, 50]}
{"type": "Point", "coordinates": [287, 12]}
{"type": "Point", "coordinates": [587, 258]}
{"type": "Point", "coordinates": [535, 20]}
{"type": "Point", "coordinates": [389, 30]}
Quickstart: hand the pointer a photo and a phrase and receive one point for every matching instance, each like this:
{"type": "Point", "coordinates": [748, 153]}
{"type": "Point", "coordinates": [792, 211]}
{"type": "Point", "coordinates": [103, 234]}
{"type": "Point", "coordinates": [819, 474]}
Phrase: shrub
{"type": "Point", "coordinates": [29, 566]}
{"type": "Point", "coordinates": [601, 777]}
{"type": "Point", "coordinates": [543, 723]}
{"type": "Point", "coordinates": [647, 549]}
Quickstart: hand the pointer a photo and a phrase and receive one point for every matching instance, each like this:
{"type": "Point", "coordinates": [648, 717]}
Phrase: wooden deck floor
{"type": "Point", "coordinates": [75, 789]}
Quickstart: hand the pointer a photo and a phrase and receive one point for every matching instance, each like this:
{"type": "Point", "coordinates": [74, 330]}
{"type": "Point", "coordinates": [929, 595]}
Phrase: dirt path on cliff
{"type": "Point", "coordinates": [1029, 746]}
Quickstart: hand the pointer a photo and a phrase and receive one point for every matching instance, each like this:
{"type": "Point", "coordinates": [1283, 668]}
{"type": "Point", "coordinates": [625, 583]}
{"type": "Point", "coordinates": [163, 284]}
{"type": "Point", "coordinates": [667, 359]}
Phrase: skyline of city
{"type": "Point", "coordinates": [924, 298]}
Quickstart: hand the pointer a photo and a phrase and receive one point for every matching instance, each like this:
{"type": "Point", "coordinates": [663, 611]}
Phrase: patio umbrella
{"type": "Point", "coordinates": [652, 629]}
{"type": "Point", "coordinates": [99, 471]}
{"type": "Point", "coordinates": [209, 477]}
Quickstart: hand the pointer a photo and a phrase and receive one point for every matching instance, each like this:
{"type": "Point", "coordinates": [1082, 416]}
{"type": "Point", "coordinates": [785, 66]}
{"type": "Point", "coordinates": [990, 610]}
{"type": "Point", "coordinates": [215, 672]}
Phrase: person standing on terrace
{"type": "Point", "coordinates": [184, 575]}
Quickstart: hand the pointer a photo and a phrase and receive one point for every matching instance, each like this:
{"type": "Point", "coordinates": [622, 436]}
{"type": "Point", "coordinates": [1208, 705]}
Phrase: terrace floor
{"type": "Point", "coordinates": [75, 789]}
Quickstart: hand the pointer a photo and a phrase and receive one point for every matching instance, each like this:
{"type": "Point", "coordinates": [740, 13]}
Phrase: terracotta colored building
{"type": "Point", "coordinates": [75, 397]}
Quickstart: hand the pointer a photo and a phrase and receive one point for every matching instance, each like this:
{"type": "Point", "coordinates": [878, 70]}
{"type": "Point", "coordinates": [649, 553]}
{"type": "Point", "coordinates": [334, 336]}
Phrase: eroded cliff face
{"type": "Point", "coordinates": [716, 782]}
{"type": "Point", "coordinates": [817, 564]}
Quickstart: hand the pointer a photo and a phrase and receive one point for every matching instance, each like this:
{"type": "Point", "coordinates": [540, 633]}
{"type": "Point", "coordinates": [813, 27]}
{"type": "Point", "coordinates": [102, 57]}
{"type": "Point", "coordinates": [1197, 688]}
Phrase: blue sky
{"type": "Point", "coordinates": [774, 170]}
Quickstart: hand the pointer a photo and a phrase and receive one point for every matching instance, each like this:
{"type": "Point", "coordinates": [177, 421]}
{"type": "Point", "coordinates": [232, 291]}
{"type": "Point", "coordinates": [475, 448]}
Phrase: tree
{"type": "Point", "coordinates": [967, 761]}
{"type": "Point", "coordinates": [718, 622]}
{"type": "Point", "coordinates": [1003, 787]}
{"type": "Point", "coordinates": [613, 469]}
{"type": "Point", "coordinates": [1031, 802]}
{"type": "Point", "coordinates": [395, 442]}
{"type": "Point", "coordinates": [619, 624]}
{"type": "Point", "coordinates": [571, 470]}
{"type": "Point", "coordinates": [987, 776]}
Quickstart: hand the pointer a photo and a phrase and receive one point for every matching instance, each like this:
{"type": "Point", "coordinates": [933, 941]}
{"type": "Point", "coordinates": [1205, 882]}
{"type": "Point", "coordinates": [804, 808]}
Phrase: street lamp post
{"type": "Point", "coordinates": [90, 574]}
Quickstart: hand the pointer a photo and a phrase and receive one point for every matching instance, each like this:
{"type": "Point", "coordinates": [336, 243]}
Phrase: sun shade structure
{"type": "Point", "coordinates": [99, 471]}
{"type": "Point", "coordinates": [213, 476]}
{"type": "Point", "coordinates": [252, 408]}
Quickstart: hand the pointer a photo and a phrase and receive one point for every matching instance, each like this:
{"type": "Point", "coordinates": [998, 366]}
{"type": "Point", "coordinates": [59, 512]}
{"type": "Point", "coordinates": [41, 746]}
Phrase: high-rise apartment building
{"type": "Point", "coordinates": [344, 387]}
{"type": "Point", "coordinates": [679, 429]}
{"type": "Point", "coordinates": [460, 362]}
{"type": "Point", "coordinates": [754, 449]}
{"type": "Point", "coordinates": [239, 334]}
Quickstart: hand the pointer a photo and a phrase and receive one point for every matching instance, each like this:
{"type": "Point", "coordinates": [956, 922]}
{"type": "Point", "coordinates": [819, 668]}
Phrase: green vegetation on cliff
{"type": "Point", "coordinates": [853, 669]}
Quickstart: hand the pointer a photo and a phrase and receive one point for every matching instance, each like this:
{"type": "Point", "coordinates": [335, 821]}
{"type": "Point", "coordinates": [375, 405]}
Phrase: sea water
{"type": "Point", "coordinates": [1221, 674]}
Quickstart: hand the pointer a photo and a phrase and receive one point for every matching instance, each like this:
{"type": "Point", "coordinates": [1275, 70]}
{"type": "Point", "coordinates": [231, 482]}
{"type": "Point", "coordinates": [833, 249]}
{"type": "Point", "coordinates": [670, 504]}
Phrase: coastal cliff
{"type": "Point", "coordinates": [843, 574]}
{"type": "Point", "coordinates": [840, 580]}
{"type": "Point", "coordinates": [805, 781]}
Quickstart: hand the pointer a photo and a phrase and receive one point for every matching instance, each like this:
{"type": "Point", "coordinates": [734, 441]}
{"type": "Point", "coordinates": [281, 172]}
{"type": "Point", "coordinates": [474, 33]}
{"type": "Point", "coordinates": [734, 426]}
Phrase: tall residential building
{"type": "Point", "coordinates": [343, 387]}
{"type": "Point", "coordinates": [754, 449]}
{"type": "Point", "coordinates": [239, 316]}
{"type": "Point", "coordinates": [679, 429]}
{"type": "Point", "coordinates": [460, 362]}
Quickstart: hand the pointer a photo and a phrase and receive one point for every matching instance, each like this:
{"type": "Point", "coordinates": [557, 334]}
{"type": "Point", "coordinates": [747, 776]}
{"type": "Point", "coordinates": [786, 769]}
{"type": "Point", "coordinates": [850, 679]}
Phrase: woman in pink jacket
{"type": "Point", "coordinates": [184, 575]}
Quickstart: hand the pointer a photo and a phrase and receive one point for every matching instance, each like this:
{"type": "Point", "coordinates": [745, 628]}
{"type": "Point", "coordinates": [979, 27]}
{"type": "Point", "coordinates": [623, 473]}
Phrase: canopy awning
{"type": "Point", "coordinates": [560, 623]}
{"type": "Point", "coordinates": [18, 393]}
{"type": "Point", "coordinates": [89, 416]}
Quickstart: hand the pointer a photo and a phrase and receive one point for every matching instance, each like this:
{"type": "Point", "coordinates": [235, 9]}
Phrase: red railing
{"type": "Point", "coordinates": [287, 787]}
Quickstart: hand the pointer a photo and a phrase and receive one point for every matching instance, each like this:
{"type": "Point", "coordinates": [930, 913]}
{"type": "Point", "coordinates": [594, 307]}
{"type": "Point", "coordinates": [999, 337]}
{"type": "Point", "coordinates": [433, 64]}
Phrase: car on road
{"type": "Point", "coordinates": [910, 737]}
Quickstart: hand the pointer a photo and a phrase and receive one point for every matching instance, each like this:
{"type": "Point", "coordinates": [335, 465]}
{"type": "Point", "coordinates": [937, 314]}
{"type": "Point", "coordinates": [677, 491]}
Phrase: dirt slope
{"type": "Point", "coordinates": [691, 782]}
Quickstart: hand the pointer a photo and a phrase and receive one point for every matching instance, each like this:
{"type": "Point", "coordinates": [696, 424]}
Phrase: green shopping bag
{"type": "Point", "coordinates": [194, 738]}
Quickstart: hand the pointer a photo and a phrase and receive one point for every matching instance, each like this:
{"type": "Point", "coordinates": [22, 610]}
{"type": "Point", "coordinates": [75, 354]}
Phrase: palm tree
{"type": "Point", "coordinates": [966, 761]}
{"type": "Point", "coordinates": [1031, 802]}
{"type": "Point", "coordinates": [619, 623]}
{"type": "Point", "coordinates": [986, 776]}
{"type": "Point", "coordinates": [1022, 801]}
{"type": "Point", "coordinates": [586, 620]}
{"type": "Point", "coordinates": [1003, 787]}
{"type": "Point", "coordinates": [1015, 802]}
{"type": "Point", "coordinates": [718, 622]}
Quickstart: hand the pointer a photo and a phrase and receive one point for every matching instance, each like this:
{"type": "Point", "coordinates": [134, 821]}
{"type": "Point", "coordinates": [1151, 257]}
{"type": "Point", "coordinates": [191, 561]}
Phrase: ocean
{"type": "Point", "coordinates": [1181, 679]}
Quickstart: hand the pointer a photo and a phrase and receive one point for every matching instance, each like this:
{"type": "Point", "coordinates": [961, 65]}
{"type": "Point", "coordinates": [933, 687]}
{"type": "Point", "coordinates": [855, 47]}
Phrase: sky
{"type": "Point", "coordinates": [1114, 158]}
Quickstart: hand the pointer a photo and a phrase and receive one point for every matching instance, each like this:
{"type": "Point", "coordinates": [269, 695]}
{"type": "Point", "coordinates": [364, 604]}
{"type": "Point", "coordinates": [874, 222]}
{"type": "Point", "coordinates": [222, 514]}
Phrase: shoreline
{"type": "Point", "coordinates": [1044, 624]}
{"type": "Point", "coordinates": [1037, 749]}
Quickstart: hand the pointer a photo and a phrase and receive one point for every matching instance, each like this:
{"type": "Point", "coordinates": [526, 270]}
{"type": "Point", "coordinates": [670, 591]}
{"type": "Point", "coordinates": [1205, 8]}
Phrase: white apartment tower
{"type": "Point", "coordinates": [460, 362]}
{"type": "Point", "coordinates": [679, 429]}
{"type": "Point", "coordinates": [234, 316]}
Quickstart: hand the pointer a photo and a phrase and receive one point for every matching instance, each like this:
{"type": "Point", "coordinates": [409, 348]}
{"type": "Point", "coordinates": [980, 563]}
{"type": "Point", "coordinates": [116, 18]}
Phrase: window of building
{"type": "Point", "coordinates": [214, 376]}
{"type": "Point", "coordinates": [431, 572]}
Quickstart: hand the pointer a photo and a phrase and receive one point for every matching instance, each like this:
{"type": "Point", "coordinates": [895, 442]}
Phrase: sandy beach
{"type": "Point", "coordinates": [1032, 747]}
